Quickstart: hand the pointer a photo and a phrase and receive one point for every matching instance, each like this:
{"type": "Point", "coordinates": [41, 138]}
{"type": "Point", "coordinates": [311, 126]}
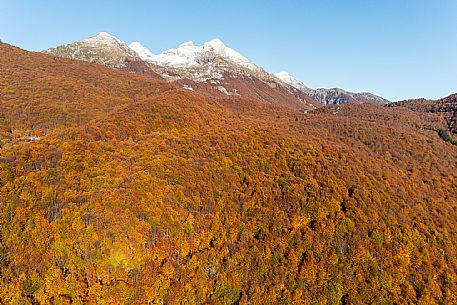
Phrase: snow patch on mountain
{"type": "Point", "coordinates": [102, 38]}
{"type": "Point", "coordinates": [142, 52]}
{"type": "Point", "coordinates": [219, 48]}
{"type": "Point", "coordinates": [290, 80]}
{"type": "Point", "coordinates": [188, 55]}
{"type": "Point", "coordinates": [102, 48]}
{"type": "Point", "coordinates": [211, 62]}
{"type": "Point", "coordinates": [183, 56]}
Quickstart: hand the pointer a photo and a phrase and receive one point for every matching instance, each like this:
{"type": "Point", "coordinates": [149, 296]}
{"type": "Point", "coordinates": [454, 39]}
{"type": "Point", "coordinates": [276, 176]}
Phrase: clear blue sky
{"type": "Point", "coordinates": [395, 48]}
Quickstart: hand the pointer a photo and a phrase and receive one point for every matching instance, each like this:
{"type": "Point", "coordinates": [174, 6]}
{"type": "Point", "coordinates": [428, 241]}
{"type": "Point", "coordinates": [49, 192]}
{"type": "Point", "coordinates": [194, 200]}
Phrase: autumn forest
{"type": "Point", "coordinates": [120, 188]}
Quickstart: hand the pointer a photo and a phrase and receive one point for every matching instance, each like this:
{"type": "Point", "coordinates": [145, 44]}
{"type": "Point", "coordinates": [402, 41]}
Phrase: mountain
{"type": "Point", "coordinates": [188, 55]}
{"type": "Point", "coordinates": [287, 78]}
{"type": "Point", "coordinates": [445, 108]}
{"type": "Point", "coordinates": [214, 65]}
{"type": "Point", "coordinates": [116, 187]}
{"type": "Point", "coordinates": [201, 63]}
{"type": "Point", "coordinates": [331, 96]}
{"type": "Point", "coordinates": [212, 68]}
{"type": "Point", "coordinates": [192, 58]}
{"type": "Point", "coordinates": [102, 48]}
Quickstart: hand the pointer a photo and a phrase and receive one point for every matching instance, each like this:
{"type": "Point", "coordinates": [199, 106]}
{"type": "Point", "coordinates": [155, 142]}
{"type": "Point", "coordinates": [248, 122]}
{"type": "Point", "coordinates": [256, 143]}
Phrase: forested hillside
{"type": "Point", "coordinates": [117, 188]}
{"type": "Point", "coordinates": [445, 108]}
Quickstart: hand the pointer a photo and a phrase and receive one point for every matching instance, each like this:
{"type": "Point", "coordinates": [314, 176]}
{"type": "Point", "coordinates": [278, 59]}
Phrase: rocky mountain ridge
{"type": "Point", "coordinates": [332, 95]}
{"type": "Point", "coordinates": [102, 48]}
{"type": "Point", "coordinates": [212, 64]}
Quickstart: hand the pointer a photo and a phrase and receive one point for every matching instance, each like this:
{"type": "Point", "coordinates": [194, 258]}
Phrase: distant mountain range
{"type": "Point", "coordinates": [212, 68]}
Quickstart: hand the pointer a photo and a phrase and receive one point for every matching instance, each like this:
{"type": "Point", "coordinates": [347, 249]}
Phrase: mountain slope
{"type": "Point", "coordinates": [213, 65]}
{"type": "Point", "coordinates": [211, 61]}
{"type": "Point", "coordinates": [446, 108]}
{"type": "Point", "coordinates": [119, 188]}
{"type": "Point", "coordinates": [188, 54]}
{"type": "Point", "coordinates": [331, 96]}
{"type": "Point", "coordinates": [287, 78]}
{"type": "Point", "coordinates": [102, 48]}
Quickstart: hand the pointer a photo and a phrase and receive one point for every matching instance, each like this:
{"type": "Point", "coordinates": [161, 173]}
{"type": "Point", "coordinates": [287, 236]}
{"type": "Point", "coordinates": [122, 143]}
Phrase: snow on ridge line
{"type": "Point", "coordinates": [141, 51]}
{"type": "Point", "coordinates": [287, 78]}
{"type": "Point", "coordinates": [187, 54]}
{"type": "Point", "coordinates": [103, 37]}
{"type": "Point", "coordinates": [221, 49]}
{"type": "Point", "coordinates": [187, 44]}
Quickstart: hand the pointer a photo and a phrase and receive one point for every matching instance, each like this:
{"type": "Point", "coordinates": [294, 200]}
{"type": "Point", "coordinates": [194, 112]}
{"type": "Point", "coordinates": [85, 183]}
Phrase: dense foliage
{"type": "Point", "coordinates": [118, 188]}
{"type": "Point", "coordinates": [445, 108]}
{"type": "Point", "coordinates": [446, 137]}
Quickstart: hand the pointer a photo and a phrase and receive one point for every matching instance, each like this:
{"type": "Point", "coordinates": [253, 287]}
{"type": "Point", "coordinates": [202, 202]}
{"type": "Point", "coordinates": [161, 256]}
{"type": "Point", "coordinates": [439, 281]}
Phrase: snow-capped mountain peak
{"type": "Point", "coordinates": [105, 35]}
{"type": "Point", "coordinates": [142, 52]}
{"type": "Point", "coordinates": [186, 44]}
{"type": "Point", "coordinates": [102, 48]}
{"type": "Point", "coordinates": [285, 77]}
{"type": "Point", "coordinates": [183, 56]}
{"type": "Point", "coordinates": [219, 48]}
{"type": "Point", "coordinates": [213, 63]}
{"type": "Point", "coordinates": [291, 80]}
{"type": "Point", "coordinates": [188, 54]}
{"type": "Point", "coordinates": [216, 44]}
{"type": "Point", "coordinates": [103, 38]}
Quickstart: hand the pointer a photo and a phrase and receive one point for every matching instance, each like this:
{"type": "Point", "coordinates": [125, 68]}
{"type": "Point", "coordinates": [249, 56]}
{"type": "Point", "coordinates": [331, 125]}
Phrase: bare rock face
{"type": "Point", "coordinates": [333, 95]}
